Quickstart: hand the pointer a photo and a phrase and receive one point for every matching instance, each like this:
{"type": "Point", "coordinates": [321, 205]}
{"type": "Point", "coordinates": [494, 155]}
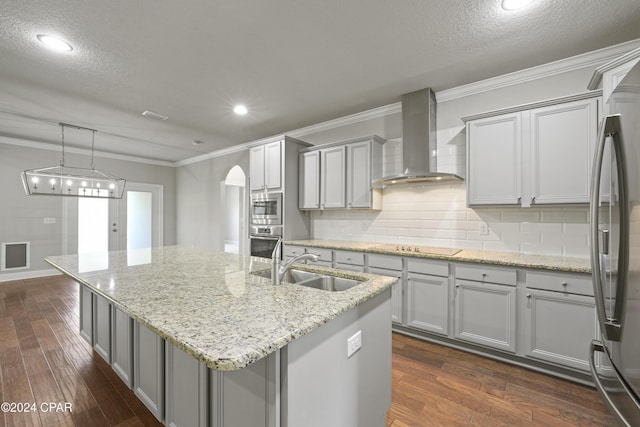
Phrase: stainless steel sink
{"type": "Point", "coordinates": [314, 280]}
{"type": "Point", "coordinates": [330, 283]}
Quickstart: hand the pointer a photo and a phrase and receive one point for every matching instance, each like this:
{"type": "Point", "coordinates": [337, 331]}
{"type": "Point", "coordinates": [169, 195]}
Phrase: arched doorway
{"type": "Point", "coordinates": [235, 215]}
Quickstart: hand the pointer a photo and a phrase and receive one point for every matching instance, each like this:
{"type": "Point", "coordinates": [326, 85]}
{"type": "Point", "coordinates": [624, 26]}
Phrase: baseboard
{"type": "Point", "coordinates": [8, 277]}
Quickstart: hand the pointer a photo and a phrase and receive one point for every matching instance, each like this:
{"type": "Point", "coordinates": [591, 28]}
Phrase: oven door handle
{"type": "Point", "coordinates": [264, 237]}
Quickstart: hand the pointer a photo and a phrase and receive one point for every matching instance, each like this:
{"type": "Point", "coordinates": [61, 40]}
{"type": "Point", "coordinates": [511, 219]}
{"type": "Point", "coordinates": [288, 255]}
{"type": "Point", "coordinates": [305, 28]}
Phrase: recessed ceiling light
{"type": "Point", "coordinates": [154, 115]}
{"type": "Point", "coordinates": [515, 4]}
{"type": "Point", "coordinates": [240, 110]}
{"type": "Point", "coordinates": [54, 43]}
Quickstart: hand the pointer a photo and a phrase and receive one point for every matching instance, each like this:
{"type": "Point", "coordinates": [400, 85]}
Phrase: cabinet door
{"type": "Point", "coordinates": [186, 389]}
{"type": "Point", "coordinates": [494, 160]}
{"type": "Point", "coordinates": [359, 175]}
{"type": "Point", "coordinates": [273, 166]}
{"type": "Point", "coordinates": [396, 292]}
{"type": "Point", "coordinates": [148, 369]}
{"type": "Point", "coordinates": [486, 314]}
{"type": "Point", "coordinates": [86, 314]}
{"type": "Point", "coordinates": [122, 345]}
{"type": "Point", "coordinates": [309, 197]}
{"type": "Point", "coordinates": [559, 326]}
{"type": "Point", "coordinates": [102, 327]}
{"type": "Point", "coordinates": [256, 168]}
{"type": "Point", "coordinates": [428, 303]}
{"type": "Point", "coordinates": [333, 174]}
{"type": "Point", "coordinates": [563, 139]}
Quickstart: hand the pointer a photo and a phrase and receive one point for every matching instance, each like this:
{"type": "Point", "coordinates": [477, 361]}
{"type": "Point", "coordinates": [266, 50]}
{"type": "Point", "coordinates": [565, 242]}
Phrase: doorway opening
{"type": "Point", "coordinates": [234, 201]}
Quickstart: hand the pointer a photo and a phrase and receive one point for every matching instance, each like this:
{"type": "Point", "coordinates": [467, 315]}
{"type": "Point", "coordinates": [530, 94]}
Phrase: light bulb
{"type": "Point", "coordinates": [98, 185]}
{"type": "Point", "coordinates": [35, 180]}
{"type": "Point", "coordinates": [240, 110]}
{"type": "Point", "coordinates": [54, 43]}
{"type": "Point", "coordinates": [83, 183]}
{"type": "Point", "coordinates": [112, 186]}
{"type": "Point", "coordinates": [69, 182]}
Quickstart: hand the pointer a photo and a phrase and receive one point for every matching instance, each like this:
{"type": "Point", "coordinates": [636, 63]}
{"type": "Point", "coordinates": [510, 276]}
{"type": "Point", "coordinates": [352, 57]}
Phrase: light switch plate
{"type": "Point", "coordinates": [49, 220]}
{"type": "Point", "coordinates": [354, 343]}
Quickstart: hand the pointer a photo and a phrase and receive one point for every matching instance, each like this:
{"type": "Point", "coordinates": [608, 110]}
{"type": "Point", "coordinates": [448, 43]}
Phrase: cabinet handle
{"type": "Point", "coordinates": [457, 285]}
{"type": "Point", "coordinates": [348, 258]}
{"type": "Point", "coordinates": [484, 275]}
{"type": "Point", "coordinates": [564, 284]}
{"type": "Point", "coordinates": [519, 200]}
{"type": "Point", "coordinates": [528, 295]}
{"type": "Point", "coordinates": [533, 199]}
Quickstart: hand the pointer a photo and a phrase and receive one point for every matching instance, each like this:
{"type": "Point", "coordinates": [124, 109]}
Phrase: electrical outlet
{"type": "Point", "coordinates": [49, 220]}
{"type": "Point", "coordinates": [354, 343]}
{"type": "Point", "coordinates": [483, 228]}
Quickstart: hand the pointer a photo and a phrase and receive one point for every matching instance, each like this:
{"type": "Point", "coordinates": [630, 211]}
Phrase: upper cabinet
{"type": "Point", "coordinates": [266, 167]}
{"type": "Point", "coordinates": [533, 154]}
{"type": "Point", "coordinates": [339, 176]}
{"type": "Point", "coordinates": [609, 75]}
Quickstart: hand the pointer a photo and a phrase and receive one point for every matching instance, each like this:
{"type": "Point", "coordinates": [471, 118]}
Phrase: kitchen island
{"type": "Point", "coordinates": [204, 341]}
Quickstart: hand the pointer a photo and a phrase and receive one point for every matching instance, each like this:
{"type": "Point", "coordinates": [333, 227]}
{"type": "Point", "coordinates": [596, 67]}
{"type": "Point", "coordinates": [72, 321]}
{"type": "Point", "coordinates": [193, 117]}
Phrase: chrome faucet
{"type": "Point", "coordinates": [287, 265]}
{"type": "Point", "coordinates": [275, 262]}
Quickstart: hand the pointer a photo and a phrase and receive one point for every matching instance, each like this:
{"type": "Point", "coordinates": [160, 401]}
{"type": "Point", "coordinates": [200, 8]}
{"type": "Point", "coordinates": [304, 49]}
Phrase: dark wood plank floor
{"type": "Point", "coordinates": [43, 359]}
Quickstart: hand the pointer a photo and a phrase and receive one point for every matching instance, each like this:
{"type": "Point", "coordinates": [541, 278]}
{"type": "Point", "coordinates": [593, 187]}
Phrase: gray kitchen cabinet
{"type": "Point", "coordinates": [148, 369]}
{"type": "Point", "coordinates": [563, 139]}
{"type": "Point", "coordinates": [363, 164]}
{"type": "Point", "coordinates": [494, 160]}
{"type": "Point", "coordinates": [485, 306]}
{"type": "Point", "coordinates": [340, 175]}
{"type": "Point", "coordinates": [427, 296]}
{"type": "Point", "coordinates": [534, 154]}
{"type": "Point", "coordinates": [265, 166]}
{"type": "Point", "coordinates": [185, 389]}
{"type": "Point", "coordinates": [86, 314]}
{"type": "Point", "coordinates": [291, 251]}
{"type": "Point", "coordinates": [560, 317]}
{"type": "Point", "coordinates": [333, 175]}
{"type": "Point", "coordinates": [348, 260]}
{"type": "Point", "coordinates": [386, 265]}
{"type": "Point", "coordinates": [325, 256]}
{"type": "Point", "coordinates": [309, 187]}
{"type": "Point", "coordinates": [122, 345]}
{"type": "Point", "coordinates": [102, 327]}
{"type": "Point", "coordinates": [559, 326]}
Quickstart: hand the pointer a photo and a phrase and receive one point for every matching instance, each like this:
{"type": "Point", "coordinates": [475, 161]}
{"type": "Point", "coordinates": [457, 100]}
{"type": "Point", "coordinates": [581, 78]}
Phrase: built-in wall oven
{"type": "Point", "coordinates": [266, 209]}
{"type": "Point", "coordinates": [263, 239]}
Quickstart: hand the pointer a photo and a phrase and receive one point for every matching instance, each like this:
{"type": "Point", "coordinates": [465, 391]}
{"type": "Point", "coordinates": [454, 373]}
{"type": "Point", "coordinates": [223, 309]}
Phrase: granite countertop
{"type": "Point", "coordinates": [209, 304]}
{"type": "Point", "coordinates": [546, 262]}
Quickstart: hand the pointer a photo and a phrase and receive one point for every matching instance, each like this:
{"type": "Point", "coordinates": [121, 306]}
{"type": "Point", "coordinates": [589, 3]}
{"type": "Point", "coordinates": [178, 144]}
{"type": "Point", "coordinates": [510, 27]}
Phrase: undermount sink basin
{"type": "Point", "coordinates": [330, 283]}
{"type": "Point", "coordinates": [315, 280]}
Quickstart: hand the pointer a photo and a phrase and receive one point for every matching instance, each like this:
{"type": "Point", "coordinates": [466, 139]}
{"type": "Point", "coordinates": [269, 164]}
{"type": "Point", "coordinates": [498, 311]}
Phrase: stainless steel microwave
{"type": "Point", "coordinates": [266, 208]}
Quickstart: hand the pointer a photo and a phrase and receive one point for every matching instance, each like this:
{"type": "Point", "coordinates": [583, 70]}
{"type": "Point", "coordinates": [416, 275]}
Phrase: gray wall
{"type": "Point", "coordinates": [22, 217]}
{"type": "Point", "coordinates": [200, 200]}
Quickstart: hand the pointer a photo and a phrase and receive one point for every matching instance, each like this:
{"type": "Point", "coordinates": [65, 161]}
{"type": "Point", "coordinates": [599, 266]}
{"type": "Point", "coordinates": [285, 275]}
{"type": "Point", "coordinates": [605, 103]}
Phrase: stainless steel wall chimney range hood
{"type": "Point", "coordinates": [419, 163]}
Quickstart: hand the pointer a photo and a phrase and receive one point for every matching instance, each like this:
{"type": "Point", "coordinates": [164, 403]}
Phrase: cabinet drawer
{"type": "Point", "coordinates": [481, 273]}
{"type": "Point", "coordinates": [560, 282]}
{"type": "Point", "coordinates": [385, 261]}
{"type": "Point", "coordinates": [347, 257]}
{"type": "Point", "coordinates": [433, 268]}
{"type": "Point", "coordinates": [326, 255]}
{"type": "Point", "coordinates": [291, 251]}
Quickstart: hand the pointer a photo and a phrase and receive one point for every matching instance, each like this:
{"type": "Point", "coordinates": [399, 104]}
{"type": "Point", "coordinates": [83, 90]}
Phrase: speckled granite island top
{"type": "Point", "coordinates": [209, 304]}
{"type": "Point", "coordinates": [547, 262]}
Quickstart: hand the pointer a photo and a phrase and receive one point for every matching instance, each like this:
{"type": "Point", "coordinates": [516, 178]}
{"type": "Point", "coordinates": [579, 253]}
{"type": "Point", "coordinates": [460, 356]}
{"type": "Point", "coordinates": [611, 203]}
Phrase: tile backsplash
{"type": "Point", "coordinates": [435, 214]}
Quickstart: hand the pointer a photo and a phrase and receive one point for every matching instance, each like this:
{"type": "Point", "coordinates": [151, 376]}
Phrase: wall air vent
{"type": "Point", "coordinates": [15, 256]}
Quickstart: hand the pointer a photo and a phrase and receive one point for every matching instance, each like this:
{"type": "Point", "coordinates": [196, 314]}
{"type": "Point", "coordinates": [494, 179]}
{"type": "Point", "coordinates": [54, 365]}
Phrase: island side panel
{"type": "Point", "coordinates": [321, 386]}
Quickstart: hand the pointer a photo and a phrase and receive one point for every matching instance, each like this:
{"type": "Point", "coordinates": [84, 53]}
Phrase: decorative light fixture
{"type": "Point", "coordinates": [71, 181]}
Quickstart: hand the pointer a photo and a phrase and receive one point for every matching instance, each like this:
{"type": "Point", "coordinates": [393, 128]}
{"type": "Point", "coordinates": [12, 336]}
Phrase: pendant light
{"type": "Point", "coordinates": [73, 181]}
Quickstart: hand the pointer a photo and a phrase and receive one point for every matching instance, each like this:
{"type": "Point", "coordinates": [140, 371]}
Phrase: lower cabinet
{"type": "Point", "coordinates": [428, 302]}
{"type": "Point", "coordinates": [86, 314]}
{"type": "Point", "coordinates": [485, 313]}
{"type": "Point", "coordinates": [122, 345]}
{"type": "Point", "coordinates": [102, 327]}
{"type": "Point", "coordinates": [559, 326]}
{"type": "Point", "coordinates": [148, 369]}
{"type": "Point", "coordinates": [396, 291]}
{"type": "Point", "coordinates": [185, 389]}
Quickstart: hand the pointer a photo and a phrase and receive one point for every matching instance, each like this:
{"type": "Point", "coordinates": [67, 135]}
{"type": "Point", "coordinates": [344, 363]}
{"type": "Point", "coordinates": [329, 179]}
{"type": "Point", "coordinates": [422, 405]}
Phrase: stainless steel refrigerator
{"type": "Point", "coordinates": [615, 253]}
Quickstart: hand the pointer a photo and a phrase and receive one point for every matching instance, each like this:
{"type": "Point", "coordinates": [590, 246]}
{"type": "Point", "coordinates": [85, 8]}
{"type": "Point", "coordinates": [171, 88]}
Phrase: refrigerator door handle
{"type": "Point", "coordinates": [599, 347]}
{"type": "Point", "coordinates": [610, 327]}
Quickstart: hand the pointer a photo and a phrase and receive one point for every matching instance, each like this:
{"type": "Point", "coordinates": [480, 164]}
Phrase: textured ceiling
{"type": "Point", "coordinates": [292, 62]}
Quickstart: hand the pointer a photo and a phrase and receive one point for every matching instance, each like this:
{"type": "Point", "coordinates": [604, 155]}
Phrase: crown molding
{"type": "Point", "coordinates": [596, 79]}
{"type": "Point", "coordinates": [51, 147]}
{"type": "Point", "coordinates": [590, 59]}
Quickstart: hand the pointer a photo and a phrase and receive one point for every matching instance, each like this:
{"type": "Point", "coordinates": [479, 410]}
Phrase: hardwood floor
{"type": "Point", "coordinates": [43, 360]}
